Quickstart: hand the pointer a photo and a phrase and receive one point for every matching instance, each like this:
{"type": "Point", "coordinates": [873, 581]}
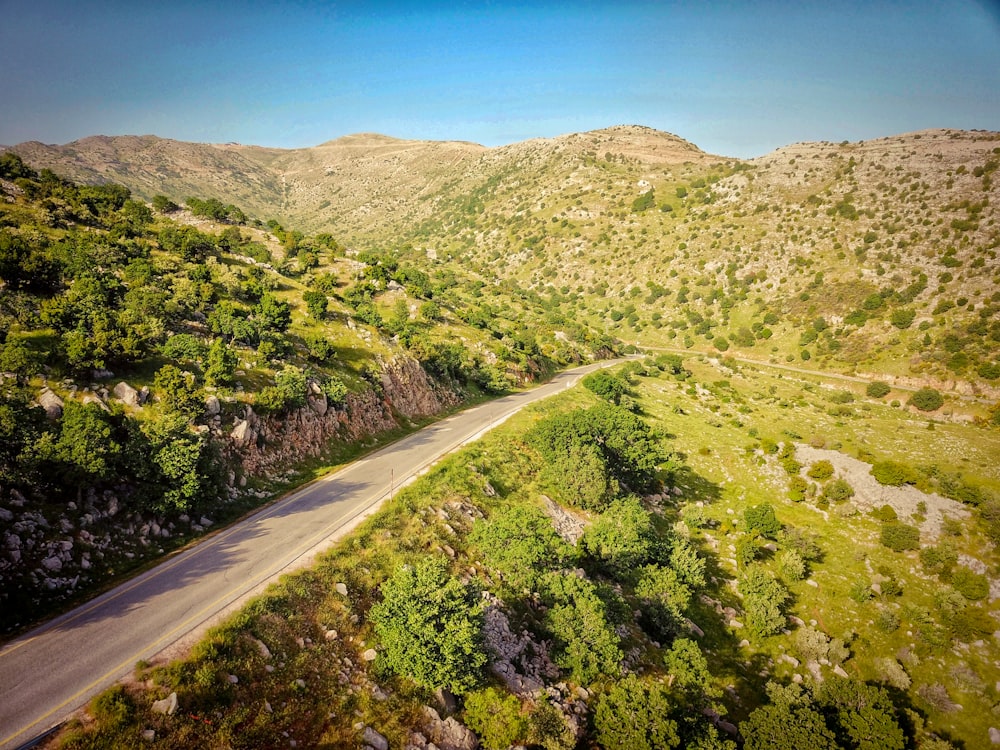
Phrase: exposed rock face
{"type": "Point", "coordinates": [263, 444]}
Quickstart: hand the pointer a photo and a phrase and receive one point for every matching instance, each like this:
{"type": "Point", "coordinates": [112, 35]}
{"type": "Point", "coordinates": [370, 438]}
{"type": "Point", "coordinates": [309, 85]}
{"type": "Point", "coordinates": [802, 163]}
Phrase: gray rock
{"type": "Point", "coordinates": [53, 564]}
{"type": "Point", "coordinates": [233, 679]}
{"type": "Point", "coordinates": [126, 394]}
{"type": "Point", "coordinates": [243, 433]}
{"type": "Point", "coordinates": [341, 589]}
{"type": "Point", "coordinates": [52, 404]}
{"type": "Point", "coordinates": [995, 735]}
{"type": "Point", "coordinates": [376, 740]}
{"type": "Point", "coordinates": [213, 406]}
{"type": "Point", "coordinates": [6, 515]}
{"type": "Point", "coordinates": [318, 404]}
{"type": "Point", "coordinates": [143, 395]}
{"type": "Point", "coordinates": [166, 706]}
{"type": "Point", "coordinates": [149, 734]}
{"type": "Point", "coordinates": [370, 655]}
{"type": "Point", "coordinates": [839, 671]}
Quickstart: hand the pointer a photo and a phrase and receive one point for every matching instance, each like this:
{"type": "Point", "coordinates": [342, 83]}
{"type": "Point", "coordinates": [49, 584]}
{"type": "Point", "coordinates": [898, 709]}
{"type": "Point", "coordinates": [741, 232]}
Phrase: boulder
{"type": "Point", "coordinates": [374, 739]}
{"type": "Point", "coordinates": [166, 706]}
{"type": "Point", "coordinates": [243, 433]}
{"type": "Point", "coordinates": [370, 655]}
{"type": "Point", "coordinates": [213, 407]}
{"type": "Point", "coordinates": [52, 404]}
{"type": "Point", "coordinates": [995, 736]}
{"type": "Point", "coordinates": [341, 589]}
{"type": "Point", "coordinates": [126, 394]}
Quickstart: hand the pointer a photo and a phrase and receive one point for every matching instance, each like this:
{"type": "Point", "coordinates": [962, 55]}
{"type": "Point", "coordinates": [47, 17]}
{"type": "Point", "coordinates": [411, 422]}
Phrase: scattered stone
{"type": "Point", "coordinates": [330, 635]}
{"type": "Point", "coordinates": [6, 515]}
{"type": "Point", "coordinates": [267, 707]}
{"type": "Point", "coordinates": [995, 735]}
{"type": "Point", "coordinates": [166, 706]}
{"type": "Point", "coordinates": [735, 624]}
{"type": "Point", "coordinates": [53, 564]}
{"type": "Point", "coordinates": [300, 683]}
{"type": "Point", "coordinates": [811, 582]}
{"type": "Point", "coordinates": [374, 739]}
{"type": "Point", "coordinates": [341, 589]}
{"type": "Point", "coordinates": [206, 522]}
{"type": "Point", "coordinates": [149, 735]}
{"type": "Point", "coordinates": [233, 679]}
{"type": "Point", "coordinates": [370, 655]}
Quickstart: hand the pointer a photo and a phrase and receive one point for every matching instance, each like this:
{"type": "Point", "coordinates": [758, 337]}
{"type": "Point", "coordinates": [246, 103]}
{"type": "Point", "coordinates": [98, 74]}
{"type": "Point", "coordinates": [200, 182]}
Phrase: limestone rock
{"type": "Point", "coordinates": [166, 706]}
{"type": "Point", "coordinates": [52, 404]}
{"type": "Point", "coordinates": [995, 736]}
{"type": "Point", "coordinates": [370, 655]}
{"type": "Point", "coordinates": [374, 739]}
{"type": "Point", "coordinates": [213, 407]}
{"type": "Point", "coordinates": [341, 589]}
{"type": "Point", "coordinates": [149, 734]}
{"type": "Point", "coordinates": [243, 433]}
{"type": "Point", "coordinates": [126, 394]}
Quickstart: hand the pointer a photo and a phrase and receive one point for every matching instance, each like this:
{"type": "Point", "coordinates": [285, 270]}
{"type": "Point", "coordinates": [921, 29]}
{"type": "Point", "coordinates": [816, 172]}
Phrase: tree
{"type": "Point", "coordinates": [877, 389]}
{"type": "Point", "coordinates": [520, 543]}
{"type": "Point", "coordinates": [496, 718]}
{"type": "Point", "coordinates": [664, 599]}
{"type": "Point", "coordinates": [763, 599]}
{"type": "Point", "coordinates": [585, 640]}
{"type": "Point", "coordinates": [85, 446]}
{"type": "Point", "coordinates": [761, 519]}
{"type": "Point", "coordinates": [926, 399]}
{"type": "Point", "coordinates": [863, 715]}
{"type": "Point", "coordinates": [430, 625]}
{"type": "Point", "coordinates": [609, 386]}
{"type": "Point", "coordinates": [635, 715]}
{"type": "Point", "coordinates": [316, 303]}
{"type": "Point", "coordinates": [272, 314]}
{"type": "Point", "coordinates": [222, 363]}
{"type": "Point", "coordinates": [623, 538]}
{"type": "Point", "coordinates": [176, 390]}
{"type": "Point", "coordinates": [689, 673]}
{"type": "Point", "coordinates": [790, 722]}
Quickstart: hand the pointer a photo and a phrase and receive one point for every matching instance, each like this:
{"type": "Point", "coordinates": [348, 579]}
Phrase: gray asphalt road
{"type": "Point", "coordinates": [55, 669]}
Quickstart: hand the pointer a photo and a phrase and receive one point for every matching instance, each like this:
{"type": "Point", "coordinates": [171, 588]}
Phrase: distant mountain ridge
{"type": "Point", "coordinates": [365, 175]}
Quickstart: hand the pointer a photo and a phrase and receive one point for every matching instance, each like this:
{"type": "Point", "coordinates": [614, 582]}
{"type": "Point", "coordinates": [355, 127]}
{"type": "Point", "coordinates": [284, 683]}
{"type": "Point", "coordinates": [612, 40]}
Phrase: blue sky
{"type": "Point", "coordinates": [736, 78]}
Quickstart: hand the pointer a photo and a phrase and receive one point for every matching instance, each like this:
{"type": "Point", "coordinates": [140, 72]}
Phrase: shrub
{"type": "Point", "coordinates": [821, 470]}
{"type": "Point", "coordinates": [609, 386]}
{"type": "Point", "coordinates": [900, 536]}
{"type": "Point", "coordinates": [973, 586]}
{"type": "Point", "coordinates": [520, 543]}
{"type": "Point", "coordinates": [926, 399]}
{"type": "Point", "coordinates": [893, 473]}
{"type": "Point", "coordinates": [877, 389]}
{"type": "Point", "coordinates": [763, 599]}
{"type": "Point", "coordinates": [797, 488]}
{"type": "Point", "coordinates": [496, 718]}
{"type": "Point", "coordinates": [902, 318]}
{"type": "Point", "coordinates": [838, 490]}
{"type": "Point", "coordinates": [761, 519]}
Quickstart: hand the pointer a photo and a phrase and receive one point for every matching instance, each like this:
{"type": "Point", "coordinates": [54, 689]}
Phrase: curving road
{"type": "Point", "coordinates": [53, 670]}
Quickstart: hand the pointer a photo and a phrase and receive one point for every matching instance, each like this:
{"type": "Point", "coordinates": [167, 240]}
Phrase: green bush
{"type": "Point", "coordinates": [635, 715]}
{"type": "Point", "coordinates": [609, 386]}
{"type": "Point", "coordinates": [838, 490]}
{"type": "Point", "coordinates": [893, 474]}
{"type": "Point", "coordinates": [973, 586]}
{"type": "Point", "coordinates": [877, 389]}
{"type": "Point", "coordinates": [761, 519]}
{"type": "Point", "coordinates": [496, 718]}
{"type": "Point", "coordinates": [520, 543]}
{"type": "Point", "coordinates": [900, 536]}
{"type": "Point", "coordinates": [926, 399]}
{"type": "Point", "coordinates": [821, 470]}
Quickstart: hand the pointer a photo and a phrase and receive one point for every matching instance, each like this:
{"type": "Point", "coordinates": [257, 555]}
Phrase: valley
{"type": "Point", "coordinates": [774, 527]}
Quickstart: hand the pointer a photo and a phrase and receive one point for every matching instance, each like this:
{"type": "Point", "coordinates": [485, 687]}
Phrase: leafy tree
{"type": "Point", "coordinates": [222, 363]}
{"type": "Point", "coordinates": [520, 543]}
{"type": "Point", "coordinates": [86, 446]}
{"type": "Point", "coordinates": [689, 673]}
{"type": "Point", "coordinates": [549, 728]}
{"type": "Point", "coordinates": [176, 390]}
{"type": "Point", "coordinates": [430, 626]}
{"type": "Point", "coordinates": [21, 426]}
{"type": "Point", "coordinates": [635, 715]}
{"type": "Point", "coordinates": [877, 389]}
{"type": "Point", "coordinates": [623, 538]}
{"type": "Point", "coordinates": [609, 386]}
{"type": "Point", "coordinates": [863, 715]}
{"type": "Point", "coordinates": [791, 566]}
{"type": "Point", "coordinates": [761, 519]}
{"type": "Point", "coordinates": [496, 718]}
{"type": "Point", "coordinates": [790, 721]}
{"type": "Point", "coordinates": [585, 640]}
{"type": "Point", "coordinates": [763, 599]}
{"type": "Point", "coordinates": [316, 303]}
{"type": "Point", "coordinates": [664, 599]}
{"type": "Point", "coordinates": [183, 347]}
{"type": "Point", "coordinates": [320, 348]}
{"type": "Point", "coordinates": [164, 205]}
{"type": "Point", "coordinates": [272, 314]}
{"type": "Point", "coordinates": [926, 399]}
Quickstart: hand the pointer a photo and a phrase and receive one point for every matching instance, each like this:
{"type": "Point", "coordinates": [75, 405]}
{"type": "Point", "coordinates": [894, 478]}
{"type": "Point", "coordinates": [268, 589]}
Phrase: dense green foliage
{"type": "Point", "coordinates": [430, 627]}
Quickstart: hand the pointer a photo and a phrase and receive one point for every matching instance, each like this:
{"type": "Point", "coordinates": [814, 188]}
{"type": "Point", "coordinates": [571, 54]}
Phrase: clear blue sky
{"type": "Point", "coordinates": [736, 78]}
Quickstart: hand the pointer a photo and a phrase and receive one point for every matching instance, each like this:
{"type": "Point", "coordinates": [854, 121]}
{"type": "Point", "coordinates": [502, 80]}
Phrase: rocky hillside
{"type": "Point", "coordinates": [875, 257]}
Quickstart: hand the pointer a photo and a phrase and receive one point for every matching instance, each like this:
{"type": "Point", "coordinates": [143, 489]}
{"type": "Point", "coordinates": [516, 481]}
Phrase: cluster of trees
{"type": "Point", "coordinates": [591, 456]}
